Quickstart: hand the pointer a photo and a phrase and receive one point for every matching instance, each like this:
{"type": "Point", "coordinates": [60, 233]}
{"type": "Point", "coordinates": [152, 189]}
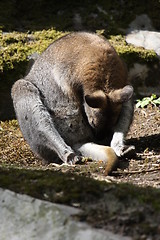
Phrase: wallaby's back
{"type": "Point", "coordinates": [77, 84]}
{"type": "Point", "coordinates": [80, 59]}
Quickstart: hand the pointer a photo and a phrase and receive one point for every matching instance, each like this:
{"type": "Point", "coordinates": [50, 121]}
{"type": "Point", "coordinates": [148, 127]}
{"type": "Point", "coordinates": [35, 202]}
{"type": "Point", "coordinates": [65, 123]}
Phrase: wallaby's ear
{"type": "Point", "coordinates": [121, 95]}
{"type": "Point", "coordinates": [97, 99]}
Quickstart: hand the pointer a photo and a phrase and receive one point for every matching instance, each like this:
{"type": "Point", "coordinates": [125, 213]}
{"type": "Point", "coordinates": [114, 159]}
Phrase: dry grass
{"type": "Point", "coordinates": [13, 148]}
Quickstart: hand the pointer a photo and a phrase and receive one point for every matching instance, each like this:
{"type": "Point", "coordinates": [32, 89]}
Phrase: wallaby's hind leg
{"type": "Point", "coordinates": [37, 125]}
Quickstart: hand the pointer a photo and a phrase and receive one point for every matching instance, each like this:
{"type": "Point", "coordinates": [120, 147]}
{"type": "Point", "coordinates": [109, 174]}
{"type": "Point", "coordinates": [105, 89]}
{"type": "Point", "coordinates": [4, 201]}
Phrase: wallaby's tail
{"type": "Point", "coordinates": [99, 152]}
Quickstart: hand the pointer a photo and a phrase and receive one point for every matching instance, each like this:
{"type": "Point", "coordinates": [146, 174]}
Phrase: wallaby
{"type": "Point", "coordinates": [75, 101]}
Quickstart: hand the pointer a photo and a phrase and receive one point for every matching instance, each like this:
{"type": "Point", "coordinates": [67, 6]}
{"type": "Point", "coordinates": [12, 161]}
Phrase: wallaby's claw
{"type": "Point", "coordinates": [73, 158]}
{"type": "Point", "coordinates": [128, 151]}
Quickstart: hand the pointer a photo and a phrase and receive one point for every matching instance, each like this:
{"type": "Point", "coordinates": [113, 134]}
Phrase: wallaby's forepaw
{"type": "Point", "coordinates": [127, 151]}
{"type": "Point", "coordinates": [72, 158]}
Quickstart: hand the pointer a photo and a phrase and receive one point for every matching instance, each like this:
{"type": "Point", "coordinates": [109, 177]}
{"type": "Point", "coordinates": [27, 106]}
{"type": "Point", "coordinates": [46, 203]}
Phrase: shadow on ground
{"type": "Point", "coordinates": [150, 142]}
{"type": "Point", "coordinates": [121, 208]}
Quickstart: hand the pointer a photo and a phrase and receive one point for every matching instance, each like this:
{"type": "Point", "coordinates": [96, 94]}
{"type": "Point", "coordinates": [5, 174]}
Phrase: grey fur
{"type": "Point", "coordinates": [49, 104]}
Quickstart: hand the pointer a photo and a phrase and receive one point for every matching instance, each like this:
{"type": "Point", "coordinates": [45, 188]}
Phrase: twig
{"type": "Point", "coordinates": [138, 171]}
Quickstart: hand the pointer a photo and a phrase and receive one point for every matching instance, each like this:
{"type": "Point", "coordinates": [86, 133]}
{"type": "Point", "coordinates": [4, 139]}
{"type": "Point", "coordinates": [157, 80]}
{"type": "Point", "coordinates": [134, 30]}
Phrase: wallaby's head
{"type": "Point", "coordinates": [103, 110]}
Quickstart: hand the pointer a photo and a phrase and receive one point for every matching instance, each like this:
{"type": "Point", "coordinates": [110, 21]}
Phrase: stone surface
{"type": "Point", "coordinates": [141, 34]}
{"type": "Point", "coordinates": [141, 22]}
{"type": "Point", "coordinates": [147, 39]}
{"type": "Point", "coordinates": [26, 218]}
{"type": "Point", "coordinates": [144, 77]}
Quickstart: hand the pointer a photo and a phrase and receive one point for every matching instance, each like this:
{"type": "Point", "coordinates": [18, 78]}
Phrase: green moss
{"type": "Point", "coordinates": [16, 47]}
{"type": "Point", "coordinates": [145, 196]}
{"type": "Point", "coordinates": [70, 187]}
{"type": "Point", "coordinates": [57, 186]}
{"type": "Point", "coordinates": [132, 54]}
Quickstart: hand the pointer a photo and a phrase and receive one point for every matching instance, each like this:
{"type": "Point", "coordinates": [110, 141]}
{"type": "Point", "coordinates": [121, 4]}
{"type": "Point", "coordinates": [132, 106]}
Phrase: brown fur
{"type": "Point", "coordinates": [76, 87]}
{"type": "Point", "coordinates": [112, 160]}
{"type": "Point", "coordinates": [93, 65]}
{"type": "Point", "coordinates": [98, 68]}
{"type": "Point", "coordinates": [97, 65]}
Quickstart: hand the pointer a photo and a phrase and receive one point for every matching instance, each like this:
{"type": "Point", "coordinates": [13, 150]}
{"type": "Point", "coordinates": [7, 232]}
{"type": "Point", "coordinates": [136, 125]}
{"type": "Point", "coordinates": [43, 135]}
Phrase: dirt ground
{"type": "Point", "coordinates": [130, 208]}
{"type": "Point", "coordinates": [143, 170]}
{"type": "Point", "coordinates": [144, 133]}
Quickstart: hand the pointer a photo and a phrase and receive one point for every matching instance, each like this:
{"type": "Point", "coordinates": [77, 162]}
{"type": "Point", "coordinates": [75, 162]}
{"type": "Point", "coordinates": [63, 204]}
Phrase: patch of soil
{"type": "Point", "coordinates": [144, 133]}
{"type": "Point", "coordinates": [143, 170]}
{"type": "Point", "coordinates": [129, 208]}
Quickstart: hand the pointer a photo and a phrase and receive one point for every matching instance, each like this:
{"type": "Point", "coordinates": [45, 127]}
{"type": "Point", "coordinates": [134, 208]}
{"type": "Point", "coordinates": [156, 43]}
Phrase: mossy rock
{"type": "Point", "coordinates": [14, 57]}
{"type": "Point", "coordinates": [16, 48]}
{"type": "Point", "coordinates": [109, 205]}
{"type": "Point", "coordinates": [132, 54]}
{"type": "Point", "coordinates": [34, 25]}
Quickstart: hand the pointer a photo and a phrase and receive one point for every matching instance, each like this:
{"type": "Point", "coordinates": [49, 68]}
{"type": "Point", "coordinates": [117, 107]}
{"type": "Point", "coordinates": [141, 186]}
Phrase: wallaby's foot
{"type": "Point", "coordinates": [73, 159]}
